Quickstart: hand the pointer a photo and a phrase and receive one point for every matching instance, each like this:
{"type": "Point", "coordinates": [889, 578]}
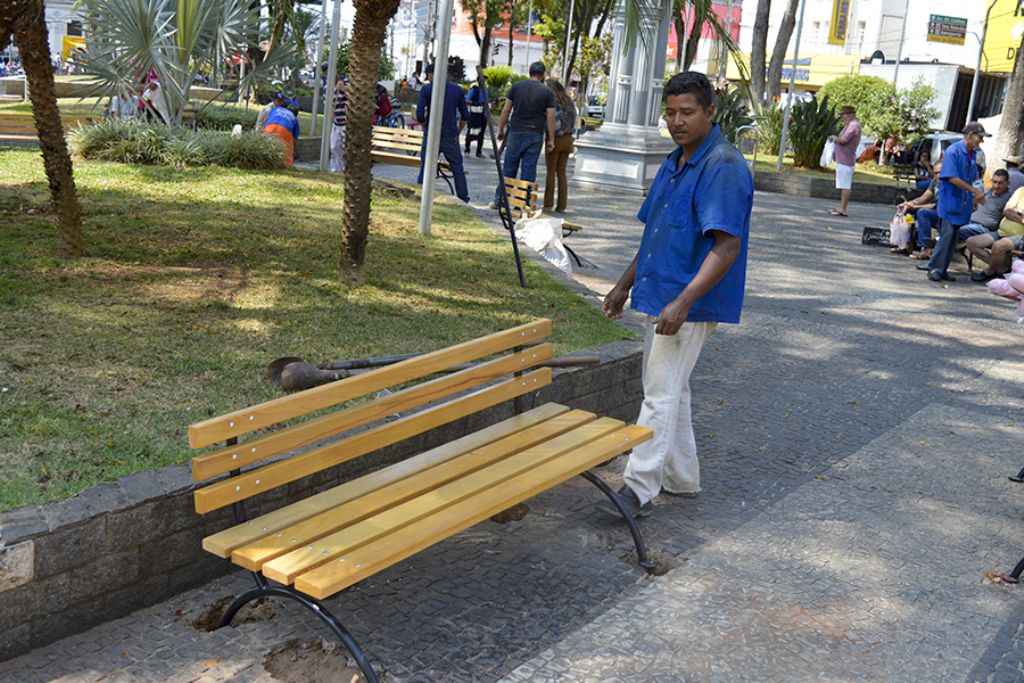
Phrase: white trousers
{"type": "Point", "coordinates": [669, 460]}
{"type": "Point", "coordinates": [337, 149]}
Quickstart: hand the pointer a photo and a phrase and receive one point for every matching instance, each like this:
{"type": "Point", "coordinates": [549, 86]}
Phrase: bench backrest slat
{"type": "Point", "coordinates": [277, 410]}
{"type": "Point", "coordinates": [282, 472]}
{"type": "Point", "coordinates": [254, 450]}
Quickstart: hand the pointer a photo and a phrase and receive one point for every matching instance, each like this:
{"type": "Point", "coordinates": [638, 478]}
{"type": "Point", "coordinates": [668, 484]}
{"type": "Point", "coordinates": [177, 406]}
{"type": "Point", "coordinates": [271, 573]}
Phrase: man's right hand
{"type": "Point", "coordinates": [979, 196]}
{"type": "Point", "coordinates": [614, 303]}
{"type": "Point", "coordinates": [501, 134]}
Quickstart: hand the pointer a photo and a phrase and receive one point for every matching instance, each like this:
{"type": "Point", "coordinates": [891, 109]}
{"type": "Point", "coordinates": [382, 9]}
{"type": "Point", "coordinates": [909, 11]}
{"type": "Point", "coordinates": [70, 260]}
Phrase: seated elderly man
{"type": "Point", "coordinates": [923, 208]}
{"type": "Point", "coordinates": [987, 216]}
{"type": "Point", "coordinates": [994, 247]}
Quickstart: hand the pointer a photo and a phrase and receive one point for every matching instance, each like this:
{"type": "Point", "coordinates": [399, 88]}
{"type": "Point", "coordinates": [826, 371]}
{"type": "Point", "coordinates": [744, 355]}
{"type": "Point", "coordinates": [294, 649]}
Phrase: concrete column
{"type": "Point", "coordinates": [628, 149]}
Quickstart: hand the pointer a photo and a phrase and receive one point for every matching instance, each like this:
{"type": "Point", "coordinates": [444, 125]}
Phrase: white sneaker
{"type": "Point", "coordinates": [493, 206]}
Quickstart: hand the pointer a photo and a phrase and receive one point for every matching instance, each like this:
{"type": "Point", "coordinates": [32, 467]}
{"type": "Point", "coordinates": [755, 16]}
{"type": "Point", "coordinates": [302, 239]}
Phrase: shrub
{"type": "Point", "coordinates": [769, 130]}
{"type": "Point", "coordinates": [812, 123]}
{"type": "Point", "coordinates": [498, 77]}
{"type": "Point", "coordinates": [731, 112]}
{"type": "Point", "coordinates": [136, 142]}
{"type": "Point", "coordinates": [224, 118]}
{"type": "Point", "coordinates": [859, 92]}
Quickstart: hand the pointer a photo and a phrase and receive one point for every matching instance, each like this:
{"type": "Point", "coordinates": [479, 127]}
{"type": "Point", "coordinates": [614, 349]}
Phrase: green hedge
{"type": "Point", "coordinates": [134, 142]}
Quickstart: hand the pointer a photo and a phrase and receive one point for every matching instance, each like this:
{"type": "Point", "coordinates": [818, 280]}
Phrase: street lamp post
{"type": "Point", "coordinates": [332, 73]}
{"type": "Point", "coordinates": [437, 91]}
{"type": "Point", "coordinates": [899, 53]}
{"type": "Point", "coordinates": [792, 80]}
{"type": "Point", "coordinates": [977, 67]}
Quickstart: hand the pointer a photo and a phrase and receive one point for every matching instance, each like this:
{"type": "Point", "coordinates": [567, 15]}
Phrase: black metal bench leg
{"type": "Point", "coordinates": [1020, 476]}
{"type": "Point", "coordinates": [1017, 571]}
{"type": "Point", "coordinates": [641, 552]}
{"type": "Point", "coordinates": [573, 254]}
{"type": "Point", "coordinates": [447, 179]}
{"type": "Point", "coordinates": [317, 608]}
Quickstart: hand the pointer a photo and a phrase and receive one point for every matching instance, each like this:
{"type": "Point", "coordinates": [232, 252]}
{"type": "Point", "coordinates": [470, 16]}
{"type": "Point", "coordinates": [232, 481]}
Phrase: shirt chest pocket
{"type": "Point", "coordinates": [679, 208]}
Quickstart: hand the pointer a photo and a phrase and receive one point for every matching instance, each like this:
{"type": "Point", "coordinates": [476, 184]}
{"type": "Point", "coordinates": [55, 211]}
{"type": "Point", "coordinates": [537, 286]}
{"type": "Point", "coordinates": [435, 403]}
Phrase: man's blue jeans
{"type": "Point", "coordinates": [452, 151]}
{"type": "Point", "coordinates": [522, 148]}
{"type": "Point", "coordinates": [924, 221]}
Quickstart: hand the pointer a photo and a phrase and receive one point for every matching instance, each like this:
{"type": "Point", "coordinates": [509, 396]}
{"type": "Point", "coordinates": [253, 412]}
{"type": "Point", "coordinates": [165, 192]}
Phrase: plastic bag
{"type": "Point", "coordinates": [827, 154]}
{"type": "Point", "coordinates": [544, 235]}
{"type": "Point", "coordinates": [899, 231]}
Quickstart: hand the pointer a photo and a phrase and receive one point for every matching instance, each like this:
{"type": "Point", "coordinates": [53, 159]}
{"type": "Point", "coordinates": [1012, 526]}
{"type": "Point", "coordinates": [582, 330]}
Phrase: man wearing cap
{"type": "Point", "coordinates": [957, 198]}
{"type": "Point", "coordinates": [453, 120]}
{"type": "Point", "coordinates": [845, 157]}
{"type": "Point", "coordinates": [1016, 175]}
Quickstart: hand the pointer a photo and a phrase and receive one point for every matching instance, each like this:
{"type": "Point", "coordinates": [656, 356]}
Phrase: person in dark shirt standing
{"type": "Point", "coordinates": [529, 112]}
{"type": "Point", "coordinates": [451, 126]}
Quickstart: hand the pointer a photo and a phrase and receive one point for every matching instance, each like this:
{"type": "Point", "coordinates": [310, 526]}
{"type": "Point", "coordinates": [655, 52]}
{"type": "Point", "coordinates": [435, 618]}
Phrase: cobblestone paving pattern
{"type": "Point", "coordinates": [840, 344]}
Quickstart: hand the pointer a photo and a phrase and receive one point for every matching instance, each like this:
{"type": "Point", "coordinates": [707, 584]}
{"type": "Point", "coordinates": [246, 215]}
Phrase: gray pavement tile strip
{"type": "Point", "coordinates": [840, 343]}
{"type": "Point", "coordinates": [871, 571]}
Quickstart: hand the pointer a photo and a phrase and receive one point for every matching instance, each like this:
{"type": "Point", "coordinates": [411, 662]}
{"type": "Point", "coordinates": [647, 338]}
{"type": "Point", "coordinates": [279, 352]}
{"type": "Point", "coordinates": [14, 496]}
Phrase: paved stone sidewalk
{"type": "Point", "coordinates": [843, 350]}
{"type": "Point", "coordinates": [876, 562]}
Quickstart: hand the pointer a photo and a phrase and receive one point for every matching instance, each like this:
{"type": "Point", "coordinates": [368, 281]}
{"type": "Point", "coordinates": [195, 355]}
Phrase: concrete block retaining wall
{"type": "Point", "coordinates": [118, 547]}
{"type": "Point", "coordinates": [825, 188]}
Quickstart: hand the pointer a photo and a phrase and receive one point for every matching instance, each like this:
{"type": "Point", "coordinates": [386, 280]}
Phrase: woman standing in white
{"type": "Point", "coordinates": [846, 157]}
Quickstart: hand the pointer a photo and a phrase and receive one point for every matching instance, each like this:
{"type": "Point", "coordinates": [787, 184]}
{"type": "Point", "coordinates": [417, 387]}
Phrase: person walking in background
{"type": "Point", "coordinates": [688, 275]}
{"type": "Point", "coordinates": [477, 119]}
{"type": "Point", "coordinates": [556, 160]}
{"type": "Point", "coordinates": [453, 120]}
{"type": "Point", "coordinates": [845, 157]}
{"type": "Point", "coordinates": [529, 112]}
{"type": "Point", "coordinates": [337, 164]}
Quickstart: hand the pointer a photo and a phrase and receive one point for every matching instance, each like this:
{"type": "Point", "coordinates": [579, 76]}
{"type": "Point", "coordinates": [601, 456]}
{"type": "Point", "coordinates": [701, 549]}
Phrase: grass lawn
{"type": "Point", "coordinates": [193, 281]}
{"type": "Point", "coordinates": [864, 173]}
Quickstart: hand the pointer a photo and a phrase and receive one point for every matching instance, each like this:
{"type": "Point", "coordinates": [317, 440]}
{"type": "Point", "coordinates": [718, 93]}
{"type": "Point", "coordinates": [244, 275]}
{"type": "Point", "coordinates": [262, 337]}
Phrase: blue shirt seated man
{"type": "Point", "coordinates": [688, 275]}
{"type": "Point", "coordinates": [453, 120]}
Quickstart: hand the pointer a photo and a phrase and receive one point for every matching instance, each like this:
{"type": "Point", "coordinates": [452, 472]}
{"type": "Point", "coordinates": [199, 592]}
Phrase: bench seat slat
{"type": "Point", "coordinates": [240, 455]}
{"type": "Point", "coordinates": [240, 422]}
{"type": "Point", "coordinates": [398, 159]}
{"type": "Point", "coordinates": [223, 543]}
{"type": "Point", "coordinates": [276, 474]}
{"type": "Point", "coordinates": [254, 555]}
{"type": "Point", "coordinates": [329, 578]}
{"type": "Point", "coordinates": [286, 568]}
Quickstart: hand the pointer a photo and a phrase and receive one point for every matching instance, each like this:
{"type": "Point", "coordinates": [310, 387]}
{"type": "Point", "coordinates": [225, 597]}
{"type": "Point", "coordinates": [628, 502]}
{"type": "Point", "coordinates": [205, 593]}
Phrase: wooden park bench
{"type": "Point", "coordinates": [403, 146]}
{"type": "Point", "coordinates": [521, 196]}
{"type": "Point", "coordinates": [311, 549]}
{"type": "Point", "coordinates": [21, 128]}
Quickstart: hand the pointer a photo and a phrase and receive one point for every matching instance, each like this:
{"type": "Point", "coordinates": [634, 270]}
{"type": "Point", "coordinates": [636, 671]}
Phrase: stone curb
{"type": "Point", "coordinates": [121, 546]}
{"type": "Point", "coordinates": [824, 188]}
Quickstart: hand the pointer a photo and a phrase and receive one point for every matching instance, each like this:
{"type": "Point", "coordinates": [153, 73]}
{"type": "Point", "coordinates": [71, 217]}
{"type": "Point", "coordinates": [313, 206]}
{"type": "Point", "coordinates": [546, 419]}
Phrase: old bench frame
{"type": "Point", "coordinates": [403, 146]}
{"type": "Point", "coordinates": [362, 526]}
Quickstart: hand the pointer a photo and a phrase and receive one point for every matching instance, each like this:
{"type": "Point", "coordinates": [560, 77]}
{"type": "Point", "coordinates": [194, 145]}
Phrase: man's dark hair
{"type": "Point", "coordinates": [1001, 173]}
{"type": "Point", "coordinates": [537, 69]}
{"type": "Point", "coordinates": [693, 82]}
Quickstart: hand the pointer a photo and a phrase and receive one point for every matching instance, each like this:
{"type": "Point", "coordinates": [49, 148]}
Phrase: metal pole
{"type": "Point", "coordinates": [977, 67]}
{"type": "Point", "coordinates": [568, 35]}
{"type": "Point", "coordinates": [317, 82]}
{"type": "Point", "coordinates": [792, 79]}
{"type": "Point", "coordinates": [899, 53]}
{"type": "Point", "coordinates": [437, 90]}
{"type": "Point", "coordinates": [723, 54]}
{"type": "Point", "coordinates": [332, 74]}
{"type": "Point", "coordinates": [529, 28]}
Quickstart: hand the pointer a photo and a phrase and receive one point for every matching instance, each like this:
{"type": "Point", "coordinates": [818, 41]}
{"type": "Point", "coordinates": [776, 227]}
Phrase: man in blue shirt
{"type": "Point", "coordinates": [454, 105]}
{"type": "Point", "coordinates": [957, 198]}
{"type": "Point", "coordinates": [687, 276]}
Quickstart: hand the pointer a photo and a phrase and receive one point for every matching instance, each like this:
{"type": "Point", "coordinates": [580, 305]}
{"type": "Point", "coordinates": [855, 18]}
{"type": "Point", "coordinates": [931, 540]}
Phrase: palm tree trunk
{"type": "Point", "coordinates": [1011, 127]}
{"type": "Point", "coordinates": [773, 84]}
{"type": "Point", "coordinates": [758, 50]}
{"type": "Point", "coordinates": [33, 44]}
{"type": "Point", "coordinates": [368, 33]}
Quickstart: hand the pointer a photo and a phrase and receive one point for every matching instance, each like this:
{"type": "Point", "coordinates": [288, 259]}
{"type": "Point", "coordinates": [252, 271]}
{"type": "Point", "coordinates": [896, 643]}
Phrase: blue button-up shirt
{"type": "Point", "coordinates": [712, 190]}
{"type": "Point", "coordinates": [956, 205]}
{"type": "Point", "coordinates": [454, 103]}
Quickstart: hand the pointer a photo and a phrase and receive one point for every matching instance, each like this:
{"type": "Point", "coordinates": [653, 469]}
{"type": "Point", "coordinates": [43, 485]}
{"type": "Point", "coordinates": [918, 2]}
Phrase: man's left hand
{"type": "Point", "coordinates": [550, 146]}
{"type": "Point", "coordinates": [671, 318]}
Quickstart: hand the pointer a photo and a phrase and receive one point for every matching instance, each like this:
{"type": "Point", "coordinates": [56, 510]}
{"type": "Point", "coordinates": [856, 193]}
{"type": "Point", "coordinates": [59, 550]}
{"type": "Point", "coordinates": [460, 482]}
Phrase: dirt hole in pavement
{"type": "Point", "coordinates": [318, 660]}
{"type": "Point", "coordinates": [663, 562]}
{"type": "Point", "coordinates": [257, 610]}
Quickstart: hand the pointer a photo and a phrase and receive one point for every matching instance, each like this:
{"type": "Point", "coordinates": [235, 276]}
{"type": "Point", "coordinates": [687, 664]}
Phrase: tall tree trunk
{"type": "Point", "coordinates": [758, 51]}
{"type": "Point", "coordinates": [368, 34]}
{"type": "Point", "coordinates": [511, 43]}
{"type": "Point", "coordinates": [680, 41]}
{"type": "Point", "coordinates": [485, 48]}
{"type": "Point", "coordinates": [774, 78]}
{"type": "Point", "coordinates": [693, 41]}
{"type": "Point", "coordinates": [29, 30]}
{"type": "Point", "coordinates": [1011, 127]}
{"type": "Point", "coordinates": [276, 27]}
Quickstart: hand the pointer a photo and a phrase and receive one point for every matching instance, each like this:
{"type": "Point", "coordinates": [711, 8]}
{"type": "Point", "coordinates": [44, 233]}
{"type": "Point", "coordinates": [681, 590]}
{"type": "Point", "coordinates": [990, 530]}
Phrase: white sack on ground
{"type": "Point", "coordinates": [544, 235]}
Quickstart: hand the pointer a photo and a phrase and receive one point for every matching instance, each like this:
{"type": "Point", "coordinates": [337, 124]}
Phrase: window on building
{"type": "Point", "coordinates": [861, 30]}
{"type": "Point", "coordinates": [75, 28]}
{"type": "Point", "coordinates": [817, 41]}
